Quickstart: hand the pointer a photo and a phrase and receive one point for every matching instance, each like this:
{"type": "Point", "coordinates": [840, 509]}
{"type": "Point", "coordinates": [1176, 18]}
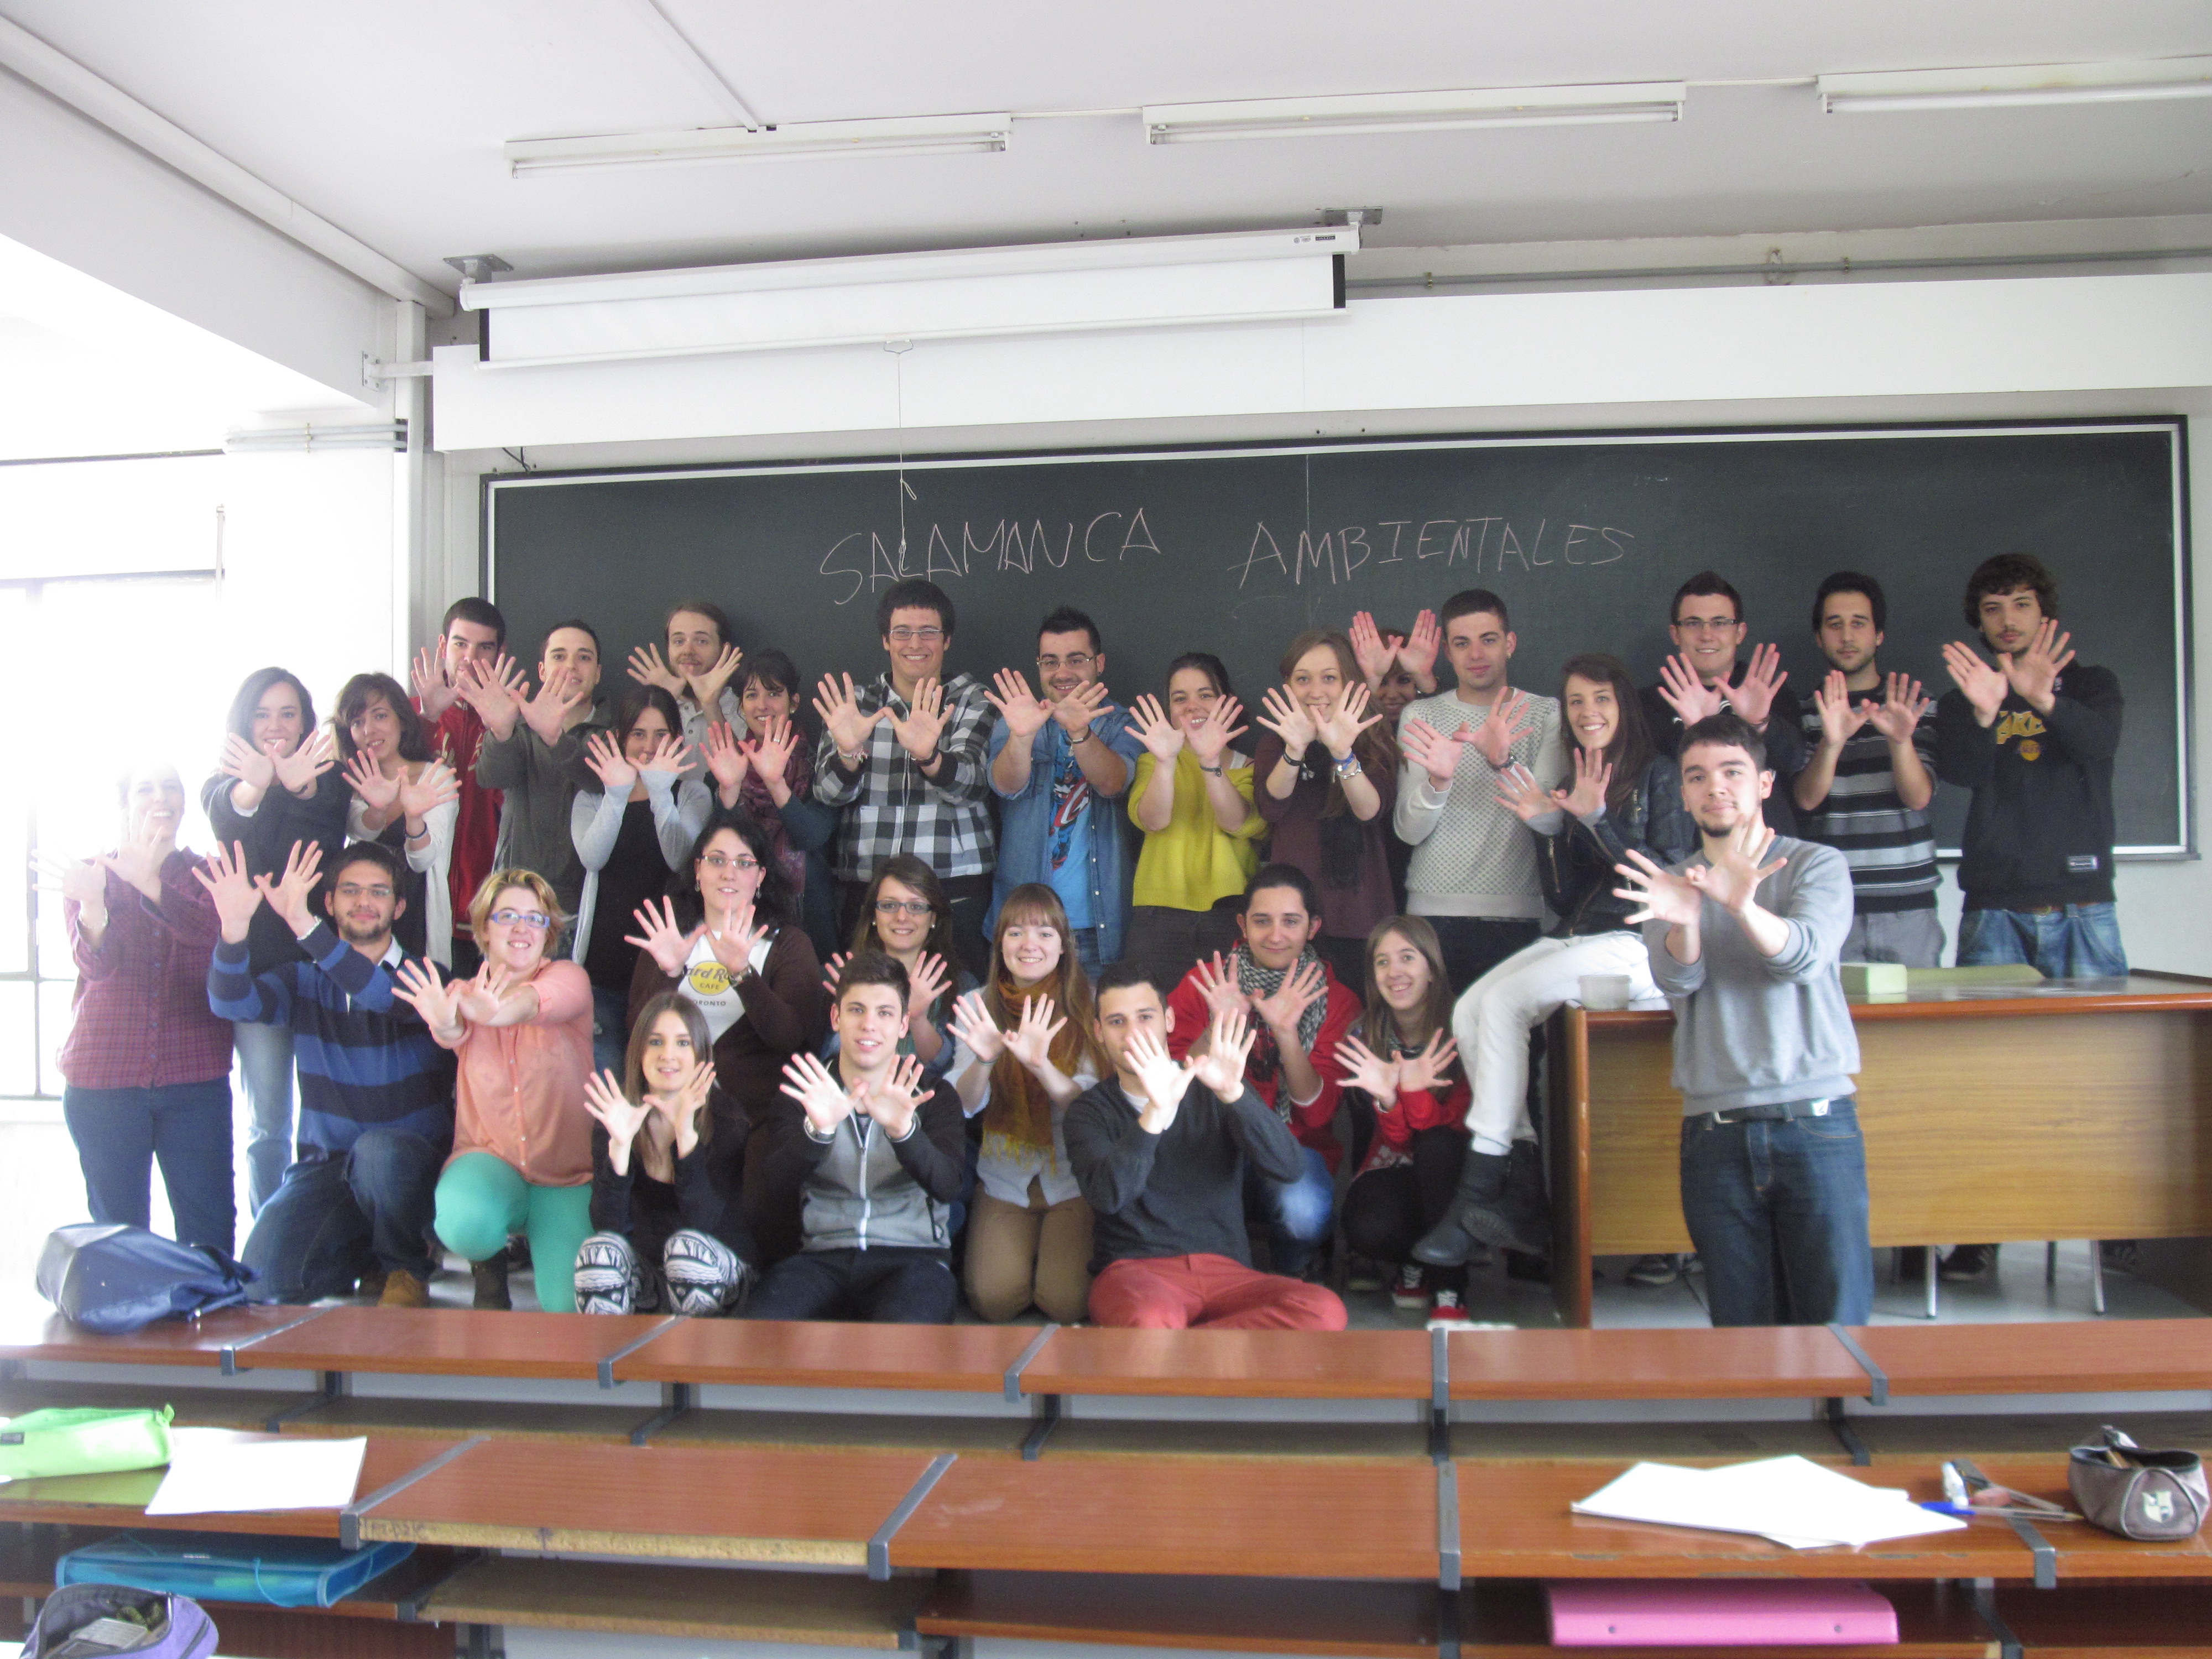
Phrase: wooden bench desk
{"type": "Point", "coordinates": [453, 1342]}
{"type": "Point", "coordinates": [1234, 1364]}
{"type": "Point", "coordinates": [212, 1340]}
{"type": "Point", "coordinates": [826, 1354]}
{"type": "Point", "coordinates": [2060, 1357]}
{"type": "Point", "coordinates": [2073, 1110]}
{"type": "Point", "coordinates": [1744, 1362]}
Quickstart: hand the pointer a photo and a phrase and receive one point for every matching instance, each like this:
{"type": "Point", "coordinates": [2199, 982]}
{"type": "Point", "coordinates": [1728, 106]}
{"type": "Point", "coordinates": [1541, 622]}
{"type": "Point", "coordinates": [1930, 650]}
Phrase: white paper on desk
{"type": "Point", "coordinates": [1788, 1500]}
{"type": "Point", "coordinates": [211, 1472]}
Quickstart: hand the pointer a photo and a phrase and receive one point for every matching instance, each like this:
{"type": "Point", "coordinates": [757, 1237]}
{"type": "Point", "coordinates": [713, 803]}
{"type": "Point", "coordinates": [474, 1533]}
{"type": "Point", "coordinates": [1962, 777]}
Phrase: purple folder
{"type": "Point", "coordinates": [1646, 1613]}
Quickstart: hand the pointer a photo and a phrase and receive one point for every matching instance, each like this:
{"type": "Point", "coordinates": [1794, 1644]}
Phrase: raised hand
{"type": "Point", "coordinates": [1433, 753]}
{"type": "Point", "coordinates": [1519, 794]}
{"type": "Point", "coordinates": [289, 893]}
{"type": "Point", "coordinates": [1365, 1069]}
{"type": "Point", "coordinates": [139, 857]}
{"type": "Point", "coordinates": [249, 765]}
{"type": "Point", "coordinates": [417, 984]}
{"type": "Point", "coordinates": [1300, 989]}
{"type": "Point", "coordinates": [1690, 697]}
{"type": "Point", "coordinates": [1164, 1083]}
{"type": "Point", "coordinates": [770, 752]}
{"type": "Point", "coordinates": [1417, 655]}
{"type": "Point", "coordinates": [1733, 878]}
{"type": "Point", "coordinates": [617, 1114]}
{"type": "Point", "coordinates": [1080, 707]}
{"type": "Point", "coordinates": [689, 1104]}
{"type": "Point", "coordinates": [1023, 711]}
{"type": "Point", "coordinates": [1288, 720]}
{"type": "Point", "coordinates": [660, 938]}
{"type": "Point", "coordinates": [1985, 687]}
{"type": "Point", "coordinates": [819, 1094]}
{"type": "Point", "coordinates": [547, 713]}
{"type": "Point", "coordinates": [648, 667]}
{"type": "Point", "coordinates": [1421, 1073]}
{"type": "Point", "coordinates": [496, 693]}
{"type": "Point", "coordinates": [609, 764]}
{"type": "Point", "coordinates": [237, 895]}
{"type": "Point", "coordinates": [432, 787]}
{"type": "Point", "coordinates": [1585, 797]}
{"type": "Point", "coordinates": [1898, 715]}
{"type": "Point", "coordinates": [840, 708]}
{"type": "Point", "coordinates": [707, 688]}
{"type": "Point", "coordinates": [297, 771]}
{"type": "Point", "coordinates": [1030, 1041]}
{"type": "Point", "coordinates": [929, 981]}
{"type": "Point", "coordinates": [924, 724]}
{"type": "Point", "coordinates": [378, 793]}
{"type": "Point", "coordinates": [81, 879]}
{"type": "Point", "coordinates": [1839, 720]}
{"type": "Point", "coordinates": [727, 762]}
{"type": "Point", "coordinates": [1369, 649]}
{"type": "Point", "coordinates": [1340, 728]}
{"type": "Point", "coordinates": [433, 688]}
{"type": "Point", "coordinates": [2034, 670]}
{"type": "Point", "coordinates": [1228, 1046]}
{"type": "Point", "coordinates": [973, 1024]}
{"type": "Point", "coordinates": [668, 756]}
{"type": "Point", "coordinates": [830, 970]}
{"type": "Point", "coordinates": [479, 999]}
{"type": "Point", "coordinates": [734, 943]}
{"type": "Point", "coordinates": [1159, 734]}
{"type": "Point", "coordinates": [1752, 696]}
{"type": "Point", "coordinates": [1509, 717]}
{"type": "Point", "coordinates": [1215, 732]}
{"type": "Point", "coordinates": [1219, 987]}
{"type": "Point", "coordinates": [897, 1096]}
{"type": "Point", "coordinates": [1660, 896]}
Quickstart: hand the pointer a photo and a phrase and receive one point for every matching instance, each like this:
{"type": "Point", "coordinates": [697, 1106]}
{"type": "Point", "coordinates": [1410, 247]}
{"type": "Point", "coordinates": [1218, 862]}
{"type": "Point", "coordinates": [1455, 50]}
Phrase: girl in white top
{"type": "Point", "coordinates": [1025, 1052]}
{"type": "Point", "coordinates": [403, 799]}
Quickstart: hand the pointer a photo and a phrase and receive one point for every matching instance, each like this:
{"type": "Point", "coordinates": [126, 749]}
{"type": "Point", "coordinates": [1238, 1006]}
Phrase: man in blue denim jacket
{"type": "Point", "coordinates": [1059, 763]}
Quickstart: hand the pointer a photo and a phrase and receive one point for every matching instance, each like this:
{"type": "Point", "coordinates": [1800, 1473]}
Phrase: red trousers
{"type": "Point", "coordinates": [1186, 1292]}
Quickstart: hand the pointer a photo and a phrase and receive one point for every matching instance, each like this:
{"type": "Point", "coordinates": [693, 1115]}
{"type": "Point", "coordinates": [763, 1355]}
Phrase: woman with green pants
{"type": "Point", "coordinates": [522, 1140]}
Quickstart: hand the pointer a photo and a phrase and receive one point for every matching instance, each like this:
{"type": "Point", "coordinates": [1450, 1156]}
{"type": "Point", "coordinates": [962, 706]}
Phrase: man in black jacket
{"type": "Point", "coordinates": [1159, 1150]}
{"type": "Point", "coordinates": [1707, 627]}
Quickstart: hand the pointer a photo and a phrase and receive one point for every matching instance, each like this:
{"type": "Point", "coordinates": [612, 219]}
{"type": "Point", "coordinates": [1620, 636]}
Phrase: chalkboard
{"type": "Point", "coordinates": [1235, 549]}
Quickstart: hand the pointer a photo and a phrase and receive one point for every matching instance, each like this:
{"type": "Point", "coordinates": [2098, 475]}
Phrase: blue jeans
{"type": "Point", "coordinates": [609, 1030]}
{"type": "Point", "coordinates": [119, 1133]}
{"type": "Point", "coordinates": [1779, 1213]}
{"type": "Point", "coordinates": [335, 1220]}
{"type": "Point", "coordinates": [1295, 1214]}
{"type": "Point", "coordinates": [2080, 942]}
{"type": "Point", "coordinates": [264, 1064]}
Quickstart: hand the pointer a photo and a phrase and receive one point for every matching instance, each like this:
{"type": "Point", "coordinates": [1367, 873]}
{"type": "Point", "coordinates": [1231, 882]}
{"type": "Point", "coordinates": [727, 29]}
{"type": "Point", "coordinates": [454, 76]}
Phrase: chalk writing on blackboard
{"type": "Point", "coordinates": [866, 561]}
{"type": "Point", "coordinates": [1488, 545]}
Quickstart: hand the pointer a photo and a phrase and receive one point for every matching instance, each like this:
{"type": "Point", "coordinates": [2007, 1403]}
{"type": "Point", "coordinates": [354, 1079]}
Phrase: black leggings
{"type": "Point", "coordinates": [888, 1285]}
{"type": "Point", "coordinates": [1385, 1211]}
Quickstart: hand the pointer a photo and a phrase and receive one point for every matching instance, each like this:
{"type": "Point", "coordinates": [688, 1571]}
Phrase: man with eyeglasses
{"type": "Point", "coordinates": [904, 757]}
{"type": "Point", "coordinates": [1055, 758]}
{"type": "Point", "coordinates": [1704, 678]}
{"type": "Point", "coordinates": [376, 1092]}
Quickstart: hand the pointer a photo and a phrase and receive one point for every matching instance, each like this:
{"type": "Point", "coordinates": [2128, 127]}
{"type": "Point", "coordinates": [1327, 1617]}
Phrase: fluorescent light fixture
{"type": "Point", "coordinates": [803, 140]}
{"type": "Point", "coordinates": [2020, 86]}
{"type": "Point", "coordinates": [1415, 111]}
{"type": "Point", "coordinates": [260, 440]}
{"type": "Point", "coordinates": [1266, 276]}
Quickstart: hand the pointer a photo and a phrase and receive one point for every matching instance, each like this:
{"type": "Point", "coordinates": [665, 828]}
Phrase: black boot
{"type": "Point", "coordinates": [1525, 1210]}
{"type": "Point", "coordinates": [1471, 1219]}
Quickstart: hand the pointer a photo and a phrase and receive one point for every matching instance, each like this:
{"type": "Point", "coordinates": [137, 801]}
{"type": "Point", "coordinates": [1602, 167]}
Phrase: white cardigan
{"type": "Point", "coordinates": [434, 859]}
{"type": "Point", "coordinates": [595, 823]}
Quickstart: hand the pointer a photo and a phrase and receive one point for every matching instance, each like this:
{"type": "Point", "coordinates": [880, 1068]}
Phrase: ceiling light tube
{"type": "Point", "coordinates": [1415, 111]}
{"type": "Point", "coordinates": [2015, 86]}
{"type": "Point", "coordinates": [803, 140]}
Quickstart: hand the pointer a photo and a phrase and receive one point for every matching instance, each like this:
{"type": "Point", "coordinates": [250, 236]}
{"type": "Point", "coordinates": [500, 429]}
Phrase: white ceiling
{"type": "Point", "coordinates": [387, 117]}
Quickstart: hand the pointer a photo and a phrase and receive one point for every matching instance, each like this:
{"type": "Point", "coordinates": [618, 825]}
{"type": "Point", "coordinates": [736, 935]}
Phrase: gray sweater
{"type": "Point", "coordinates": [541, 781]}
{"type": "Point", "coordinates": [1753, 1030]}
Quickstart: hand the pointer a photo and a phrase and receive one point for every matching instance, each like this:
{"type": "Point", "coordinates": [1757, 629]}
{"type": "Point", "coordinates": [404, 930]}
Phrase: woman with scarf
{"type": "Point", "coordinates": [1301, 1012]}
{"type": "Point", "coordinates": [1025, 1053]}
{"type": "Point", "coordinates": [1328, 772]}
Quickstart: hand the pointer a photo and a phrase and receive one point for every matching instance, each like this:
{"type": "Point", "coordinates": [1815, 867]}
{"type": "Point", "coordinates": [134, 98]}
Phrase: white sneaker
{"type": "Point", "coordinates": [1411, 1291]}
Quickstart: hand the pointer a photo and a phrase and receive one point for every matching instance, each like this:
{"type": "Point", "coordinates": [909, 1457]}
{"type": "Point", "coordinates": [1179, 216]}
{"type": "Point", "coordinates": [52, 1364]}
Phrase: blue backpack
{"type": "Point", "coordinates": [113, 1278]}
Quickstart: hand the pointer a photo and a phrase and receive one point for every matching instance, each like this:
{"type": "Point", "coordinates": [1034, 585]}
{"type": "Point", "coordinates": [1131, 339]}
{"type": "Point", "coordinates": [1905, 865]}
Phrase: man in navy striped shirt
{"type": "Point", "coordinates": [1865, 789]}
{"type": "Point", "coordinates": [376, 1093]}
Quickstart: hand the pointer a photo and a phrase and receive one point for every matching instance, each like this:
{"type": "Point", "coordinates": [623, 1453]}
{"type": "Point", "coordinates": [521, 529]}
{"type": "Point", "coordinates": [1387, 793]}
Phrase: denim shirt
{"type": "Point", "coordinates": [1024, 819]}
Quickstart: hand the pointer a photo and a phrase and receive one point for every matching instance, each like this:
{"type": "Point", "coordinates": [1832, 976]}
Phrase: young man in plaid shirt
{"type": "Point", "coordinates": [906, 759]}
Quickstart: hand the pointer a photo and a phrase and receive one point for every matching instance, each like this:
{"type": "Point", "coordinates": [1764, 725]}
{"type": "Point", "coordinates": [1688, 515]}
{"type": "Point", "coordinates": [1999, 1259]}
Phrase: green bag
{"type": "Point", "coordinates": [71, 1440]}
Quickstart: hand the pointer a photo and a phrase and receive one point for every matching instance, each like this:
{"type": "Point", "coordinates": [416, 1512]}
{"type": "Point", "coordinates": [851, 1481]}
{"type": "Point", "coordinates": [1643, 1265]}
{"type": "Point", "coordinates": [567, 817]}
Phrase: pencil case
{"type": "Point", "coordinates": [78, 1440]}
{"type": "Point", "coordinates": [2155, 1496]}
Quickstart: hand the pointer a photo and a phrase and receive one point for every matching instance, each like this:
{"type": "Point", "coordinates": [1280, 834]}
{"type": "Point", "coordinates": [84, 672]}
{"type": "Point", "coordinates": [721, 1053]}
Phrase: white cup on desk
{"type": "Point", "coordinates": [1605, 993]}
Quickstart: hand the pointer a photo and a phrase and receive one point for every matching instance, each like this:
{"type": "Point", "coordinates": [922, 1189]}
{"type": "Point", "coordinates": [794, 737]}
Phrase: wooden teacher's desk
{"type": "Point", "coordinates": [2076, 1109]}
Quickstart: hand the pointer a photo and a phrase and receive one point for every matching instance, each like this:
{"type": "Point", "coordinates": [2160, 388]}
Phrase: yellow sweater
{"type": "Point", "coordinates": [1192, 862]}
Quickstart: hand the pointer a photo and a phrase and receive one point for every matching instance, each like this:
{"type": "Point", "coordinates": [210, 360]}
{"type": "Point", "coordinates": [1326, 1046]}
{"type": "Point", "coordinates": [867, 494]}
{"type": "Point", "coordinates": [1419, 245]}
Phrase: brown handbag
{"type": "Point", "coordinates": [2155, 1496]}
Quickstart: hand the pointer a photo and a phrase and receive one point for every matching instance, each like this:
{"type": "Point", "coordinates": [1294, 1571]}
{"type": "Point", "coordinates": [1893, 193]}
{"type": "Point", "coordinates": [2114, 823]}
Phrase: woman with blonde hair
{"type": "Point", "coordinates": [1026, 1052]}
{"type": "Point", "coordinates": [522, 1137]}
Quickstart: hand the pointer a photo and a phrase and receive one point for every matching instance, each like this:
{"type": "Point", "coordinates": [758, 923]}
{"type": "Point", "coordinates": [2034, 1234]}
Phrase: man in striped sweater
{"type": "Point", "coordinates": [1865, 789]}
{"type": "Point", "coordinates": [376, 1093]}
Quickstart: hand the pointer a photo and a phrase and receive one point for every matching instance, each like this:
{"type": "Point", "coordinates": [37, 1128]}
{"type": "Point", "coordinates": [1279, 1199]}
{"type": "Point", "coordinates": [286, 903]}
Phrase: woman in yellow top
{"type": "Point", "coordinates": [1193, 800]}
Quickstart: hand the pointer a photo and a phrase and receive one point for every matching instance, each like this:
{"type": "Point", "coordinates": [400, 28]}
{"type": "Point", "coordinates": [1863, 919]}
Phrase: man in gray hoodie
{"type": "Point", "coordinates": [1743, 937]}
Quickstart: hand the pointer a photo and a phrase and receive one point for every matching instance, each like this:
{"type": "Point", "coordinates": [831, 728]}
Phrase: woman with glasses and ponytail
{"type": "Point", "coordinates": [522, 1030]}
{"type": "Point", "coordinates": [907, 916]}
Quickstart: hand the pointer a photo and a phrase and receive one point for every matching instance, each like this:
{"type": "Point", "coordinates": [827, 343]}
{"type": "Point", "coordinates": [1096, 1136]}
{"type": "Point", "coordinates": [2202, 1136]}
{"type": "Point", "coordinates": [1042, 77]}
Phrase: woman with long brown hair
{"type": "Point", "coordinates": [1026, 1054]}
{"type": "Point", "coordinates": [1328, 772]}
{"type": "Point", "coordinates": [907, 916]}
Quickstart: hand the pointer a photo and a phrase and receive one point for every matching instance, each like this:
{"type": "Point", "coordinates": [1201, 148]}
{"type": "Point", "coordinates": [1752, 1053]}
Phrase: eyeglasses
{"type": "Point", "coordinates": [537, 919]}
{"type": "Point", "coordinates": [347, 889]}
{"type": "Point", "coordinates": [916, 635]}
{"type": "Point", "coordinates": [902, 907]}
{"type": "Point", "coordinates": [1705, 624]}
{"type": "Point", "coordinates": [716, 861]}
{"type": "Point", "coordinates": [1079, 660]}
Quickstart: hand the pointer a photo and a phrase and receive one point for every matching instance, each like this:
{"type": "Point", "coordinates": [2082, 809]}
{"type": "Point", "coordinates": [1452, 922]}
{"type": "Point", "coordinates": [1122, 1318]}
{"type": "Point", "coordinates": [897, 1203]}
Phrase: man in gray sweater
{"type": "Point", "coordinates": [1743, 937]}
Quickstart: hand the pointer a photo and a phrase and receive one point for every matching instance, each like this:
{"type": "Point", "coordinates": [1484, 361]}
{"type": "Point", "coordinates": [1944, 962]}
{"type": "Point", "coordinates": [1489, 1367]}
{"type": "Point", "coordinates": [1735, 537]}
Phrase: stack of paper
{"type": "Point", "coordinates": [1790, 1500]}
{"type": "Point", "coordinates": [212, 1471]}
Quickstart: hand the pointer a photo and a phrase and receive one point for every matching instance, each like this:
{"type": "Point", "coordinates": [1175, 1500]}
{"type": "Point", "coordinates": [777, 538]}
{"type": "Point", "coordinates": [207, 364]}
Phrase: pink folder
{"type": "Point", "coordinates": [1645, 1612]}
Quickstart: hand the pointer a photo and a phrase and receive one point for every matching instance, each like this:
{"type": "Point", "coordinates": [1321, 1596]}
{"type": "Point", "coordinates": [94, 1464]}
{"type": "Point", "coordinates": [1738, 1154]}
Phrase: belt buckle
{"type": "Point", "coordinates": [1816, 1108]}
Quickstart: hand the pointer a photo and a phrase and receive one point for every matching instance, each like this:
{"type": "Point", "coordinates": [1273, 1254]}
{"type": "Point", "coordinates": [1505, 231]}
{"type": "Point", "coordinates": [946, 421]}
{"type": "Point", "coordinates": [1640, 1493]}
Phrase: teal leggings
{"type": "Point", "coordinates": [483, 1200]}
